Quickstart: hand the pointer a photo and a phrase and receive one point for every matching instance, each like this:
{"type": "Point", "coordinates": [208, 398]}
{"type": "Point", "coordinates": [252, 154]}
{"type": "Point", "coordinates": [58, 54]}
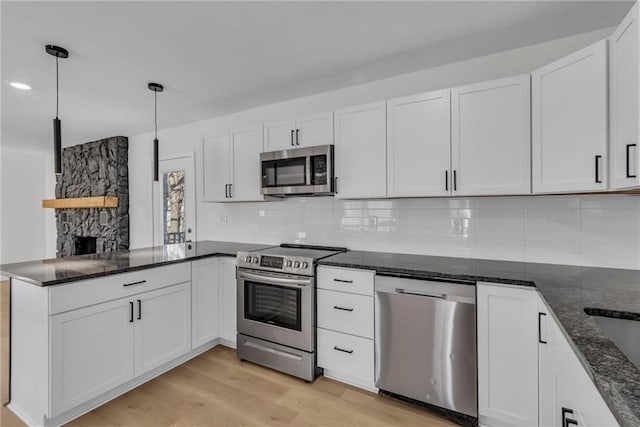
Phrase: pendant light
{"type": "Point", "coordinates": [58, 52]}
{"type": "Point", "coordinates": [155, 87]}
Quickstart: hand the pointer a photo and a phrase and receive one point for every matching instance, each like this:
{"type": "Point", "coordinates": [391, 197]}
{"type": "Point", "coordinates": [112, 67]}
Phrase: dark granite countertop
{"type": "Point", "coordinates": [567, 289]}
{"type": "Point", "coordinates": [70, 269]}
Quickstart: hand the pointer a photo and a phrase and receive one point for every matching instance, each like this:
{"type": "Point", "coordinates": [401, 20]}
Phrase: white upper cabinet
{"type": "Point", "coordinates": [231, 166]}
{"type": "Point", "coordinates": [624, 61]}
{"type": "Point", "coordinates": [217, 167]}
{"type": "Point", "coordinates": [419, 145]}
{"type": "Point", "coordinates": [280, 135]}
{"type": "Point", "coordinates": [246, 146]}
{"type": "Point", "coordinates": [491, 137]}
{"type": "Point", "coordinates": [361, 151]}
{"type": "Point", "coordinates": [569, 129]}
{"type": "Point", "coordinates": [305, 131]}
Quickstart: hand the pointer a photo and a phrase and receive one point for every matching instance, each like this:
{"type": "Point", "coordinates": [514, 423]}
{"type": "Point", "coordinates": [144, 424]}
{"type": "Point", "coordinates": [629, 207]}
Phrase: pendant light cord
{"type": "Point", "coordinates": [155, 114]}
{"type": "Point", "coordinates": [57, 86]}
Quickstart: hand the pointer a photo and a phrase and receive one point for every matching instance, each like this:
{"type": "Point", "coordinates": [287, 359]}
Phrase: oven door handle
{"type": "Point", "coordinates": [268, 279]}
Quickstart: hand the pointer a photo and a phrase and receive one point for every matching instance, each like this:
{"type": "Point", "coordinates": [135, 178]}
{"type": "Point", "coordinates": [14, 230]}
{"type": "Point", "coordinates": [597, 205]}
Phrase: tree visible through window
{"type": "Point", "coordinates": [174, 230]}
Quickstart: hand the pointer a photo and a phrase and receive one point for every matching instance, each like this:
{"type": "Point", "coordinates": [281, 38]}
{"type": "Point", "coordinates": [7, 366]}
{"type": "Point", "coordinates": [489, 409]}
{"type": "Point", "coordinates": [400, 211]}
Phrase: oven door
{"type": "Point", "coordinates": [277, 307]}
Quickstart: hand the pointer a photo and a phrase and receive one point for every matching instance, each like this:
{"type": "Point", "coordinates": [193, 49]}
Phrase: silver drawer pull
{"type": "Point", "coordinates": [342, 350]}
{"type": "Point", "coordinates": [135, 283]}
{"type": "Point", "coordinates": [421, 294]}
{"type": "Point", "coordinates": [343, 281]}
{"type": "Point", "coordinates": [337, 307]}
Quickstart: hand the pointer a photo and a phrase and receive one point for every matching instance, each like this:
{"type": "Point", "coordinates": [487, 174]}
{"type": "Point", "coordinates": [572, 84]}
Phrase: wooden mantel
{"type": "Point", "coordinates": [82, 202]}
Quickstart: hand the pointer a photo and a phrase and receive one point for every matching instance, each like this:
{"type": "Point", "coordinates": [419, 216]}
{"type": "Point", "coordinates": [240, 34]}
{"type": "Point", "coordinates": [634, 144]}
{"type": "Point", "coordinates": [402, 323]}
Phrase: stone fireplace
{"type": "Point", "coordinates": [98, 168]}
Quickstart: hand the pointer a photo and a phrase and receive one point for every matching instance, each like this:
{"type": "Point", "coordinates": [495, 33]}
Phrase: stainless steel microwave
{"type": "Point", "coordinates": [299, 171]}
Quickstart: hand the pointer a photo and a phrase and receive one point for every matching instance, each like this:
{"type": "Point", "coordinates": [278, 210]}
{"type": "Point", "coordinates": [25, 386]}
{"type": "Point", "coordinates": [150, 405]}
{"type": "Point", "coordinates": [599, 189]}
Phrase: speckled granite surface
{"type": "Point", "coordinates": [63, 270]}
{"type": "Point", "coordinates": [568, 290]}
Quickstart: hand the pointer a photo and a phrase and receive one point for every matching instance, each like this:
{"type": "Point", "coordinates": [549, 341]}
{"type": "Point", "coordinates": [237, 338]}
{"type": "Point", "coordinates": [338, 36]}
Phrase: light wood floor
{"type": "Point", "coordinates": [215, 389]}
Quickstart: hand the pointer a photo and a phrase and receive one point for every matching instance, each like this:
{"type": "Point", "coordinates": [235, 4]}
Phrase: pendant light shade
{"type": "Point", "coordinates": [58, 52]}
{"type": "Point", "coordinates": [155, 88]}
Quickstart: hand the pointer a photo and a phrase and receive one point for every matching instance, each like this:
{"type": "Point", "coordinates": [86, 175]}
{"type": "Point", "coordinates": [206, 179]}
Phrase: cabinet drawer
{"type": "Point", "coordinates": [93, 291]}
{"type": "Point", "coordinates": [342, 353]}
{"type": "Point", "coordinates": [346, 280]}
{"type": "Point", "coordinates": [343, 312]}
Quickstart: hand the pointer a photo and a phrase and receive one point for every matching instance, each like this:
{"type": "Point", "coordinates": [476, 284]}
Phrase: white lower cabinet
{"type": "Point", "coordinates": [567, 394]}
{"type": "Point", "coordinates": [228, 301]}
{"type": "Point", "coordinates": [205, 288]}
{"type": "Point", "coordinates": [507, 355]}
{"type": "Point", "coordinates": [91, 353]}
{"type": "Point", "coordinates": [98, 348]}
{"type": "Point", "coordinates": [345, 325]}
{"type": "Point", "coordinates": [528, 373]}
{"type": "Point", "coordinates": [162, 326]}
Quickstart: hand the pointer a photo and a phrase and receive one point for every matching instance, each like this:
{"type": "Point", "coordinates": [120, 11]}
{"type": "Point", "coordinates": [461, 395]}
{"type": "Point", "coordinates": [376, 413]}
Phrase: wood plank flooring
{"type": "Point", "coordinates": [216, 389]}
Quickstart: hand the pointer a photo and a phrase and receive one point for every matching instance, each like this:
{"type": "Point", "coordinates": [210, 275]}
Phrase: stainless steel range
{"type": "Point", "coordinates": [277, 307]}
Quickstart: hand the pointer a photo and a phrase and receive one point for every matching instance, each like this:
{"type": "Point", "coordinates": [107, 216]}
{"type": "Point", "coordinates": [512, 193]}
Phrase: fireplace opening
{"type": "Point", "coordinates": [85, 245]}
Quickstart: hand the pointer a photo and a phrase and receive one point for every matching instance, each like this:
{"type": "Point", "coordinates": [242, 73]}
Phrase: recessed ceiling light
{"type": "Point", "coordinates": [20, 86]}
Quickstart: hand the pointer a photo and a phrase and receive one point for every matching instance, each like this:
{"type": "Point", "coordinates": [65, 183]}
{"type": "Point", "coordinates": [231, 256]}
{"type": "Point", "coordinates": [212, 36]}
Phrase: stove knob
{"type": "Point", "coordinates": [255, 260]}
{"type": "Point", "coordinates": [305, 265]}
{"type": "Point", "coordinates": [289, 263]}
{"type": "Point", "coordinates": [297, 264]}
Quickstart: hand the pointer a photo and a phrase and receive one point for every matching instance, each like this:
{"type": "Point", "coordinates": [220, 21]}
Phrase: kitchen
{"type": "Point", "coordinates": [486, 237]}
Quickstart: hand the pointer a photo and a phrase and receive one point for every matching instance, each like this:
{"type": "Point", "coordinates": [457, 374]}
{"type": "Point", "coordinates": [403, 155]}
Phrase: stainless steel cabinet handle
{"type": "Point", "coordinates": [226, 191]}
{"type": "Point", "coordinates": [335, 185]}
{"type": "Point", "coordinates": [598, 180]}
{"type": "Point", "coordinates": [343, 281]}
{"type": "Point", "coordinates": [130, 311]}
{"type": "Point", "coordinates": [566, 421]}
{"type": "Point", "coordinates": [139, 309]}
{"type": "Point", "coordinates": [292, 144]}
{"type": "Point", "coordinates": [231, 191]}
{"type": "Point", "coordinates": [629, 161]}
{"type": "Point", "coordinates": [140, 282]}
{"type": "Point", "coordinates": [337, 307]}
{"type": "Point", "coordinates": [342, 350]}
{"type": "Point", "coordinates": [297, 136]}
{"type": "Point", "coordinates": [455, 180]}
{"type": "Point", "coordinates": [446, 180]}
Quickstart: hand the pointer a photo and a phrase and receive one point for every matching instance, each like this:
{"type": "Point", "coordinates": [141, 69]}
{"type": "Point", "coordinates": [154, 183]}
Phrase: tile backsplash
{"type": "Point", "coordinates": [599, 230]}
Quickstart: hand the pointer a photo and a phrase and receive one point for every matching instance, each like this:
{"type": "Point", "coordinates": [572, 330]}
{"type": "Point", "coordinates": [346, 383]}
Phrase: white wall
{"type": "Point", "coordinates": [27, 231]}
{"type": "Point", "coordinates": [592, 230]}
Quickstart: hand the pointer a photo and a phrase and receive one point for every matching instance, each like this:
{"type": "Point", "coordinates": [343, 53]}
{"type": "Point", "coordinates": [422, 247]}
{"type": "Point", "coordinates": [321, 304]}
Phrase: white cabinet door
{"type": "Point", "coordinates": [279, 135]}
{"type": "Point", "coordinates": [313, 130]}
{"type": "Point", "coordinates": [564, 382]}
{"type": "Point", "coordinates": [491, 137]}
{"type": "Point", "coordinates": [162, 326]}
{"type": "Point", "coordinates": [91, 352]}
{"type": "Point", "coordinates": [360, 151]}
{"type": "Point", "coordinates": [507, 355]}
{"type": "Point", "coordinates": [624, 62]}
{"type": "Point", "coordinates": [216, 168]}
{"type": "Point", "coordinates": [246, 146]}
{"type": "Point", "coordinates": [569, 128]}
{"type": "Point", "coordinates": [419, 145]}
{"type": "Point", "coordinates": [228, 300]}
{"type": "Point", "coordinates": [205, 315]}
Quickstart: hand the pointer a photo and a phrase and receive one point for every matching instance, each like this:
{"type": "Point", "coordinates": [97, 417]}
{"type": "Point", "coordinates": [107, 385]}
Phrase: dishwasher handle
{"type": "Point", "coordinates": [420, 294]}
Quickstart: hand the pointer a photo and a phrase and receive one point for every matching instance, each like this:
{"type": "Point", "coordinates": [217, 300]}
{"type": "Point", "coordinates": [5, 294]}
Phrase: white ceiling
{"type": "Point", "coordinates": [221, 57]}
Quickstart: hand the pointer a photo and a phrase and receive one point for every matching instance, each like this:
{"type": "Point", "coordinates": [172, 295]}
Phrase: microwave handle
{"type": "Point", "coordinates": [307, 172]}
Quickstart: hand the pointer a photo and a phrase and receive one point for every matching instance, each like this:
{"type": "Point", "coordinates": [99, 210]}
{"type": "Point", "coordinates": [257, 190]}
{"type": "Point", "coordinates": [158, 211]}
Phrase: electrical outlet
{"type": "Point", "coordinates": [457, 226]}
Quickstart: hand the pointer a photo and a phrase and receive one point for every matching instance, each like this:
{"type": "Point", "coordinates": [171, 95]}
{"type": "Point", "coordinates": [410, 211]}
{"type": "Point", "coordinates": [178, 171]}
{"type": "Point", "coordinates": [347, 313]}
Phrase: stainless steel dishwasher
{"type": "Point", "coordinates": [425, 341]}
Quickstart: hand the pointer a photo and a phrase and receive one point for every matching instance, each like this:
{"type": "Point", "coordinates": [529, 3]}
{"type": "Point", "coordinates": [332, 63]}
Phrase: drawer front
{"type": "Point", "coordinates": [346, 280]}
{"type": "Point", "coordinates": [93, 291]}
{"type": "Point", "coordinates": [343, 312]}
{"type": "Point", "coordinates": [346, 354]}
